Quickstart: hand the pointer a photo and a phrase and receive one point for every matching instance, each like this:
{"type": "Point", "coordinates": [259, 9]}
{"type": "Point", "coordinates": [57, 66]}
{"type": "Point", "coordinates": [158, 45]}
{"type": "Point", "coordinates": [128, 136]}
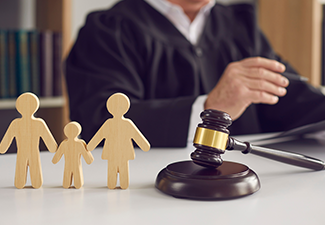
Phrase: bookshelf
{"type": "Point", "coordinates": [54, 15]}
{"type": "Point", "coordinates": [294, 28]}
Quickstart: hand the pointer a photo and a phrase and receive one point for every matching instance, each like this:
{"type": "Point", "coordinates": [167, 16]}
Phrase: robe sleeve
{"type": "Point", "coordinates": [303, 104]}
{"type": "Point", "coordinates": [107, 58]}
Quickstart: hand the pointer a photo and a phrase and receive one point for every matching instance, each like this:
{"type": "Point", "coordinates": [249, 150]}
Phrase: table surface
{"type": "Point", "coordinates": [288, 194]}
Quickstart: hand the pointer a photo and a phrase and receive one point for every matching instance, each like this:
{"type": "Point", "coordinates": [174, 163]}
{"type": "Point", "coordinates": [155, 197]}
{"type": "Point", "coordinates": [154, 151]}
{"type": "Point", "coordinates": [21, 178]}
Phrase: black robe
{"type": "Point", "coordinates": [133, 49]}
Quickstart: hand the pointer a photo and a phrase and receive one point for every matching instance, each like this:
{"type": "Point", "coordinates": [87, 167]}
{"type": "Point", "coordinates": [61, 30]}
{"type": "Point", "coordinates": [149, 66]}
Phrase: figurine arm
{"type": "Point", "coordinates": [85, 153]}
{"type": "Point", "coordinates": [96, 139]}
{"type": "Point", "coordinates": [138, 137]}
{"type": "Point", "coordinates": [58, 154]}
{"type": "Point", "coordinates": [7, 139]}
{"type": "Point", "coordinates": [48, 138]}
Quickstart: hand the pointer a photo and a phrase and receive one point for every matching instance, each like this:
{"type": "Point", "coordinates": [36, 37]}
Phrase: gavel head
{"type": "Point", "coordinates": [211, 138]}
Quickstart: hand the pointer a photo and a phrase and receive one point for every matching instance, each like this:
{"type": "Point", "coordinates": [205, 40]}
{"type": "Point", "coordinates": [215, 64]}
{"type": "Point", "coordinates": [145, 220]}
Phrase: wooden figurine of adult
{"type": "Point", "coordinates": [27, 131]}
{"type": "Point", "coordinates": [118, 147]}
{"type": "Point", "coordinates": [73, 148]}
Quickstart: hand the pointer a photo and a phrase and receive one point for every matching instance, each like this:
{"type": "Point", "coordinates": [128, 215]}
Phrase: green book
{"type": "Point", "coordinates": [23, 62]}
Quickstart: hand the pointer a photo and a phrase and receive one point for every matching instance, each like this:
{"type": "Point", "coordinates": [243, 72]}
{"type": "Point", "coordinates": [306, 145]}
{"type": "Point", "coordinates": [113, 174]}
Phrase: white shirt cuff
{"type": "Point", "coordinates": [197, 108]}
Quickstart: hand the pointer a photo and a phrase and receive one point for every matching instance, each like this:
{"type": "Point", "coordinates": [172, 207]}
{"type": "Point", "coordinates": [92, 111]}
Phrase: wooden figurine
{"type": "Point", "coordinates": [27, 131]}
{"type": "Point", "coordinates": [73, 148]}
{"type": "Point", "coordinates": [118, 147]}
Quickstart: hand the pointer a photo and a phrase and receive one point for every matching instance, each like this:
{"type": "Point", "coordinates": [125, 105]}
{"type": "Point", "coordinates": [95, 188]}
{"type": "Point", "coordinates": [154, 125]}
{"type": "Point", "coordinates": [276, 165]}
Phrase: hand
{"type": "Point", "coordinates": [251, 80]}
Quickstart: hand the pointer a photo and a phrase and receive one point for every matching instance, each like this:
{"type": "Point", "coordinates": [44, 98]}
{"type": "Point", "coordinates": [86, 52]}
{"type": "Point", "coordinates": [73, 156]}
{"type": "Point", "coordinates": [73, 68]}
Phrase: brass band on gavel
{"type": "Point", "coordinates": [211, 138]}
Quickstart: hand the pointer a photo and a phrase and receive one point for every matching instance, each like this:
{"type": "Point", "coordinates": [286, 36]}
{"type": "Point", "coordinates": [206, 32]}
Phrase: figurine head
{"type": "Point", "coordinates": [27, 104]}
{"type": "Point", "coordinates": [118, 104]}
{"type": "Point", "coordinates": [72, 130]}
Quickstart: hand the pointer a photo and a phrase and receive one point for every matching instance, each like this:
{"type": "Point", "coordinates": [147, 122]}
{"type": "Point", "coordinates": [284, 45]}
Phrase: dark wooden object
{"type": "Point", "coordinates": [188, 180]}
{"type": "Point", "coordinates": [207, 152]}
{"type": "Point", "coordinates": [207, 177]}
{"type": "Point", "coordinates": [213, 131]}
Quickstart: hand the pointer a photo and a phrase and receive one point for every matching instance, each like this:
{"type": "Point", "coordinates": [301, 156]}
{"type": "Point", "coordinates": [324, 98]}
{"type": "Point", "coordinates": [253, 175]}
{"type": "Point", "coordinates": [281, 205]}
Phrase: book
{"type": "Point", "coordinates": [34, 62]}
{"type": "Point", "coordinates": [30, 60]}
{"type": "Point", "coordinates": [12, 64]}
{"type": "Point", "coordinates": [4, 90]}
{"type": "Point", "coordinates": [22, 62]}
{"type": "Point", "coordinates": [46, 63]}
{"type": "Point", "coordinates": [57, 64]}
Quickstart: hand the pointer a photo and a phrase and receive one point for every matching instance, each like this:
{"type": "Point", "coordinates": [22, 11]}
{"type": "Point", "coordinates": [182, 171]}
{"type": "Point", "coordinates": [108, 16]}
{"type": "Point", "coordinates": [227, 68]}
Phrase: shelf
{"type": "Point", "coordinates": [52, 15]}
{"type": "Point", "coordinates": [51, 102]}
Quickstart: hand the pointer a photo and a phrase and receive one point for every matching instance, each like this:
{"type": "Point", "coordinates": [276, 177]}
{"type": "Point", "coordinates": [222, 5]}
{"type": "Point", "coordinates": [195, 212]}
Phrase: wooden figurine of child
{"type": "Point", "coordinates": [73, 148]}
{"type": "Point", "coordinates": [118, 147]}
{"type": "Point", "coordinates": [27, 131]}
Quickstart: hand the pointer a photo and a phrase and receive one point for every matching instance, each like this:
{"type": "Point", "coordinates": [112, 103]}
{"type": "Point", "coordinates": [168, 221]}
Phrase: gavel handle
{"type": "Point", "coordinates": [278, 155]}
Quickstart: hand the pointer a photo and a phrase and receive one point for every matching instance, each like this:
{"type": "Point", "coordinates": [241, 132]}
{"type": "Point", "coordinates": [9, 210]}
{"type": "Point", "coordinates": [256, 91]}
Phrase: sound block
{"type": "Point", "coordinates": [186, 179]}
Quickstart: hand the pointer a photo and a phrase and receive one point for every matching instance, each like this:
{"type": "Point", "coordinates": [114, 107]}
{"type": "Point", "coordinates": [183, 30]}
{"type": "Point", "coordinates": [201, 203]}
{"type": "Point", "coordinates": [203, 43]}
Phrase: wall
{"type": "Point", "coordinates": [80, 9]}
{"type": "Point", "coordinates": [17, 14]}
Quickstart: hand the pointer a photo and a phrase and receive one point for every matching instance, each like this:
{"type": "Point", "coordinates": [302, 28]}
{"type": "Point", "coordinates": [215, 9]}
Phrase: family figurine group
{"type": "Point", "coordinates": [118, 149]}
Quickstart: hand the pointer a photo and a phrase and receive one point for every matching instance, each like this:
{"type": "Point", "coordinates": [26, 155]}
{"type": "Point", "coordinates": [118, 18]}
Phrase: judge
{"type": "Point", "coordinates": [167, 55]}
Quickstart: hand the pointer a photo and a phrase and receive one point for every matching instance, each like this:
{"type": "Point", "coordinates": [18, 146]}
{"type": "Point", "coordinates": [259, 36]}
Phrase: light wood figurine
{"type": "Point", "coordinates": [27, 131]}
{"type": "Point", "coordinates": [73, 148]}
{"type": "Point", "coordinates": [118, 133]}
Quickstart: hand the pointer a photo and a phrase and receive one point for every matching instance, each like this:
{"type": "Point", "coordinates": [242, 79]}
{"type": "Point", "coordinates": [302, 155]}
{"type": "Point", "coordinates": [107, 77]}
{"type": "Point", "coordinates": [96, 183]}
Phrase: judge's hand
{"type": "Point", "coordinates": [251, 80]}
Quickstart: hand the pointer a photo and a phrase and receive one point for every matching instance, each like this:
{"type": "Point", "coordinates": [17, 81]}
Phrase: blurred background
{"type": "Point", "coordinates": [42, 32]}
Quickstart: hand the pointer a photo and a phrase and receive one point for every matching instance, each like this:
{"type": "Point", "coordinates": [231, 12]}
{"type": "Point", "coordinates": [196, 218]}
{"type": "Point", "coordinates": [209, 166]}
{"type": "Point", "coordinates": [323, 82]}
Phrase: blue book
{"type": "Point", "coordinates": [22, 62]}
{"type": "Point", "coordinates": [4, 89]}
{"type": "Point", "coordinates": [11, 38]}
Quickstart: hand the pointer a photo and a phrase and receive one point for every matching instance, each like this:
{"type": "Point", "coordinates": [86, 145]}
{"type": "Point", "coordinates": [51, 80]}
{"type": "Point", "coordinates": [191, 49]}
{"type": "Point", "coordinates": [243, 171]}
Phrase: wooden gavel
{"type": "Point", "coordinates": [212, 139]}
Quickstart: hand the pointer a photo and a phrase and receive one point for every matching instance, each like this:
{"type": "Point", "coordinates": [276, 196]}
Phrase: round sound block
{"type": "Point", "coordinates": [188, 180]}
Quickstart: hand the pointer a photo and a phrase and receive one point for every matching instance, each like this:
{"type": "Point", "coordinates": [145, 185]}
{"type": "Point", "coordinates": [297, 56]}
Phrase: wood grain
{"type": "Point", "coordinates": [27, 132]}
{"type": "Point", "coordinates": [294, 29]}
{"type": "Point", "coordinates": [73, 148]}
{"type": "Point", "coordinates": [118, 133]}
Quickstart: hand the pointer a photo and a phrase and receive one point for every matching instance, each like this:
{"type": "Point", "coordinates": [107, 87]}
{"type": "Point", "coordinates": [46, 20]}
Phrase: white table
{"type": "Point", "coordinates": [288, 194]}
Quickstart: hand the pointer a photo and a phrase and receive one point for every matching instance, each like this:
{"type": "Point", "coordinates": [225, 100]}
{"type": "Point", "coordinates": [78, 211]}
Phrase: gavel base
{"type": "Point", "coordinates": [186, 179]}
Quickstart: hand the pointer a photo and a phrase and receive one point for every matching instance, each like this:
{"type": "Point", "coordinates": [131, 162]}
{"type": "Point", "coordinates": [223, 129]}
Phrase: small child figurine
{"type": "Point", "coordinates": [118, 147]}
{"type": "Point", "coordinates": [73, 148]}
